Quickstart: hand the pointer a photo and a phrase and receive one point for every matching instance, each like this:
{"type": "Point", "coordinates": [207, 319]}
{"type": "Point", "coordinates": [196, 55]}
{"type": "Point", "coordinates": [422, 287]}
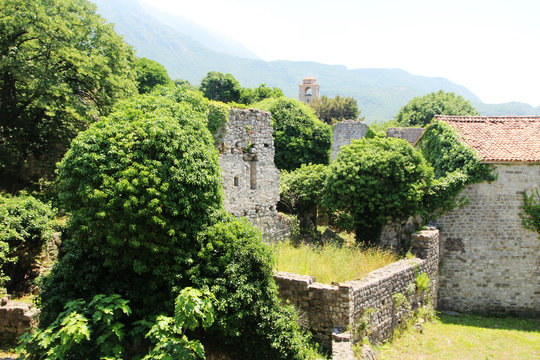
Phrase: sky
{"type": "Point", "coordinates": [490, 46]}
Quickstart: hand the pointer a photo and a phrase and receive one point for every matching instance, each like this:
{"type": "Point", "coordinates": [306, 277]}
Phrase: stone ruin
{"type": "Point", "coordinates": [250, 177]}
{"type": "Point", "coordinates": [345, 132]}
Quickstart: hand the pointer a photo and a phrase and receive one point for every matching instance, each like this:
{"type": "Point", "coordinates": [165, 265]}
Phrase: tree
{"type": "Point", "coordinates": [61, 66]}
{"type": "Point", "coordinates": [337, 109]}
{"type": "Point", "coordinates": [249, 96]}
{"type": "Point", "coordinates": [373, 181]}
{"type": "Point", "coordinates": [421, 110]}
{"type": "Point", "coordinates": [220, 87]}
{"type": "Point", "coordinates": [144, 190]}
{"type": "Point", "coordinates": [299, 137]}
{"type": "Point", "coordinates": [149, 74]}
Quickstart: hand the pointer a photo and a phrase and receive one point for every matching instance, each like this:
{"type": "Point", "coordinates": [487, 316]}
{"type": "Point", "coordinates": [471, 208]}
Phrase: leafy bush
{"type": "Point", "coordinates": [301, 192]}
{"type": "Point", "coordinates": [337, 109]}
{"type": "Point", "coordinates": [98, 330]}
{"type": "Point", "coordinates": [422, 282]}
{"type": "Point", "coordinates": [221, 87]}
{"type": "Point", "coordinates": [530, 216]}
{"type": "Point", "coordinates": [373, 181]}
{"type": "Point", "coordinates": [149, 74]}
{"type": "Point", "coordinates": [144, 190]}
{"type": "Point", "coordinates": [299, 137]}
{"type": "Point", "coordinates": [249, 96]}
{"type": "Point", "coordinates": [455, 165]}
{"type": "Point", "coordinates": [25, 225]}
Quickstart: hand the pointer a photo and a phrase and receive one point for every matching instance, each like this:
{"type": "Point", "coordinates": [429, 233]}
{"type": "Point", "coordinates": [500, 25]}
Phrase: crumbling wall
{"type": "Point", "coordinates": [250, 177]}
{"type": "Point", "coordinates": [345, 132]}
{"type": "Point", "coordinates": [490, 262]}
{"type": "Point", "coordinates": [15, 319]}
{"type": "Point", "coordinates": [368, 303]}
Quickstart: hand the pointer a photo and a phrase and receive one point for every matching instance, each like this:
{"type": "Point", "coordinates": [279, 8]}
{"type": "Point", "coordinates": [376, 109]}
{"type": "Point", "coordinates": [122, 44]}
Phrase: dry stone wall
{"type": "Point", "coordinates": [368, 303]}
{"type": "Point", "coordinates": [345, 132]}
{"type": "Point", "coordinates": [15, 319]}
{"type": "Point", "coordinates": [490, 263]}
{"type": "Point", "coordinates": [250, 177]}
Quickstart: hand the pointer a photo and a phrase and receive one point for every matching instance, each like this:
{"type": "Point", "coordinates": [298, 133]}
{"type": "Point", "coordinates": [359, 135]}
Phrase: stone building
{"type": "Point", "coordinates": [411, 134]}
{"type": "Point", "coordinates": [489, 261]}
{"type": "Point", "coordinates": [345, 132]}
{"type": "Point", "coordinates": [250, 177]}
{"type": "Point", "coordinates": [308, 90]}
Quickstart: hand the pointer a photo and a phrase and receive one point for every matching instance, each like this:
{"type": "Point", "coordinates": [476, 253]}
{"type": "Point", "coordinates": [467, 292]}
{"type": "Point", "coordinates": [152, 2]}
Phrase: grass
{"type": "Point", "coordinates": [470, 337]}
{"type": "Point", "coordinates": [330, 263]}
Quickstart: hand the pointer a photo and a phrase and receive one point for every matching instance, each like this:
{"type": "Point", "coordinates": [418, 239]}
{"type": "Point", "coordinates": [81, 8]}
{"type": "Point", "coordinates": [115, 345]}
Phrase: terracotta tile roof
{"type": "Point", "coordinates": [499, 138]}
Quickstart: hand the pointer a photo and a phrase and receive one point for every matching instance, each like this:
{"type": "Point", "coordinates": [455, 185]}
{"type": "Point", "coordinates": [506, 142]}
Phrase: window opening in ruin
{"type": "Point", "coordinates": [236, 181]}
{"type": "Point", "coordinates": [253, 175]}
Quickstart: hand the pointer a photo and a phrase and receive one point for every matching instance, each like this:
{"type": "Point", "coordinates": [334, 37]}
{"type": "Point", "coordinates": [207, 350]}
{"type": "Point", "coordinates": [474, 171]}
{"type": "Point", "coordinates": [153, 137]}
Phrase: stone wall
{"type": "Point", "coordinates": [250, 177]}
{"type": "Point", "coordinates": [327, 310]}
{"type": "Point", "coordinates": [15, 319]}
{"type": "Point", "coordinates": [345, 132]}
{"type": "Point", "coordinates": [489, 262]}
{"type": "Point", "coordinates": [406, 133]}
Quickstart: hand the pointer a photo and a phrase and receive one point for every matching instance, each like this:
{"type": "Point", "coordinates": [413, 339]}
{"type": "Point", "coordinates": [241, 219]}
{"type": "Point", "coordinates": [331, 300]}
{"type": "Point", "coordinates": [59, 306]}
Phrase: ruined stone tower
{"type": "Point", "coordinates": [308, 90]}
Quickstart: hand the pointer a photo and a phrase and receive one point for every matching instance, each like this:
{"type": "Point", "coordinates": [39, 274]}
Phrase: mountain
{"type": "Point", "coordinates": [188, 51]}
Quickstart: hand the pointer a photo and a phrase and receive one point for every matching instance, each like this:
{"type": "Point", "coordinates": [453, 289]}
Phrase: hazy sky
{"type": "Point", "coordinates": [490, 46]}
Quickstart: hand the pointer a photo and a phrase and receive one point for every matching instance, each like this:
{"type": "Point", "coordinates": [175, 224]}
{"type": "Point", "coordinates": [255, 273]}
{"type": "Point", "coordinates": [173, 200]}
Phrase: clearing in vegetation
{"type": "Point", "coordinates": [330, 262]}
{"type": "Point", "coordinates": [468, 337]}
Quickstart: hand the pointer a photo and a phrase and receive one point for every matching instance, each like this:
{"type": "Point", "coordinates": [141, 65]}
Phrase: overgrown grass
{"type": "Point", "coordinates": [469, 337]}
{"type": "Point", "coordinates": [330, 263]}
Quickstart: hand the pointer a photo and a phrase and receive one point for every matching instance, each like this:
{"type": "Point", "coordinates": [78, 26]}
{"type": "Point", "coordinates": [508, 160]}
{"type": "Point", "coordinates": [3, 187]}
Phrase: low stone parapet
{"type": "Point", "coordinates": [15, 319]}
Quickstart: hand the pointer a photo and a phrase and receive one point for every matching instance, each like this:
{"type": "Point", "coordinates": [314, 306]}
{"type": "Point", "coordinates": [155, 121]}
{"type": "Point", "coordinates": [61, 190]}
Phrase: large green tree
{"type": "Point", "coordinates": [332, 110]}
{"type": "Point", "coordinates": [221, 87]}
{"type": "Point", "coordinates": [422, 109]}
{"type": "Point", "coordinates": [149, 74]}
{"type": "Point", "coordinates": [61, 66]}
{"type": "Point", "coordinates": [299, 137]}
{"type": "Point", "coordinates": [373, 181]}
{"type": "Point", "coordinates": [249, 96]}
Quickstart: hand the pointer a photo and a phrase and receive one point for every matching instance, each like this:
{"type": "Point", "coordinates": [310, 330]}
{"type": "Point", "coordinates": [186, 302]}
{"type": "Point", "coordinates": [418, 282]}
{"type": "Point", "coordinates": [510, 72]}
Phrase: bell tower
{"type": "Point", "coordinates": [308, 90]}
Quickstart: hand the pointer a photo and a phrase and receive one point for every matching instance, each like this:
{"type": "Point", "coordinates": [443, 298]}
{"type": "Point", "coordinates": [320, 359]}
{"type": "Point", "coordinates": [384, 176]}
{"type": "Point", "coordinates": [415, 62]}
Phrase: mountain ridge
{"type": "Point", "coordinates": [380, 92]}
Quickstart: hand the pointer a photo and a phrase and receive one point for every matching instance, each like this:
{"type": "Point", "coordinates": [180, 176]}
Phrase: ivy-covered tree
{"type": "Point", "coordinates": [299, 137]}
{"type": "Point", "coordinates": [373, 181]}
{"type": "Point", "coordinates": [422, 109]}
{"type": "Point", "coordinates": [332, 110]}
{"type": "Point", "coordinates": [61, 66]}
{"type": "Point", "coordinates": [455, 165]}
{"type": "Point", "coordinates": [149, 74]}
{"type": "Point", "coordinates": [144, 190]}
{"type": "Point", "coordinates": [221, 87]}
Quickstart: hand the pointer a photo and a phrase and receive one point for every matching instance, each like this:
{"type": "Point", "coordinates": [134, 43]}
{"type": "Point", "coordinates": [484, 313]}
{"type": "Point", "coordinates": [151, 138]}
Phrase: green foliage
{"type": "Point", "coordinates": [373, 181]}
{"type": "Point", "coordinates": [421, 110]}
{"type": "Point", "coordinates": [68, 337]}
{"type": "Point", "coordinates": [99, 330]}
{"type": "Point", "coordinates": [218, 116]}
{"type": "Point", "coordinates": [25, 225]}
{"type": "Point", "coordinates": [249, 96]}
{"type": "Point", "coordinates": [236, 266]}
{"type": "Point", "coordinates": [149, 74]}
{"type": "Point", "coordinates": [62, 66]}
{"type": "Point", "coordinates": [399, 300]}
{"type": "Point", "coordinates": [337, 109]}
{"type": "Point", "coordinates": [220, 87]}
{"type": "Point", "coordinates": [144, 190]}
{"type": "Point", "coordinates": [455, 165]}
{"type": "Point", "coordinates": [299, 137]}
{"type": "Point", "coordinates": [530, 217]}
{"type": "Point", "coordinates": [301, 192]}
{"type": "Point", "coordinates": [422, 282]}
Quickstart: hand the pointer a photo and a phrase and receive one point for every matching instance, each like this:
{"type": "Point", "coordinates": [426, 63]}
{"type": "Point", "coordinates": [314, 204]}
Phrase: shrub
{"type": "Point", "coordinates": [299, 137]}
{"type": "Point", "coordinates": [25, 225]}
{"type": "Point", "coordinates": [530, 216]}
{"type": "Point", "coordinates": [373, 181]}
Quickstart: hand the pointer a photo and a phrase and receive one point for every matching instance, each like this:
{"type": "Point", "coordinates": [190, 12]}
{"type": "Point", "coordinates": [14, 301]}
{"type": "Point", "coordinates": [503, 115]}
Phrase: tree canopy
{"type": "Point", "coordinates": [422, 109]}
{"type": "Point", "coordinates": [61, 66]}
{"type": "Point", "coordinates": [299, 137]}
{"type": "Point", "coordinates": [149, 74]}
{"type": "Point", "coordinates": [373, 181]}
{"type": "Point", "coordinates": [249, 96]}
{"type": "Point", "coordinates": [221, 87]}
{"type": "Point", "coordinates": [337, 109]}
